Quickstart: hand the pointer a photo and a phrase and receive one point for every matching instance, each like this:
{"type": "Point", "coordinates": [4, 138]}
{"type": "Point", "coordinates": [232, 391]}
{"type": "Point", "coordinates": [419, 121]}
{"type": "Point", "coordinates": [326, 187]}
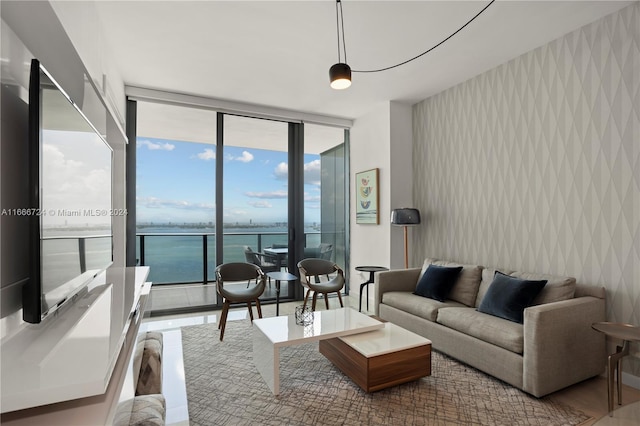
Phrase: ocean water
{"type": "Point", "coordinates": [174, 254]}
{"type": "Point", "coordinates": [178, 257]}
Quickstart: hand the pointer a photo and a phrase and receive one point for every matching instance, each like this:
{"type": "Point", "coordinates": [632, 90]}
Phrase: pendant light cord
{"type": "Point", "coordinates": [415, 57]}
{"type": "Point", "coordinates": [339, 26]}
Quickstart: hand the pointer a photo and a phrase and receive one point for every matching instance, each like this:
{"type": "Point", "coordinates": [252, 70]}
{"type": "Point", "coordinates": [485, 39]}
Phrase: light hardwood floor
{"type": "Point", "coordinates": [589, 396]}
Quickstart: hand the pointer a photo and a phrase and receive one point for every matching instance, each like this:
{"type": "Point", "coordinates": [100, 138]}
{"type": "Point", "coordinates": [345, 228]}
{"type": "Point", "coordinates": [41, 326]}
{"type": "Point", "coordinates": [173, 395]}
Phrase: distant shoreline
{"type": "Point", "coordinates": [211, 226]}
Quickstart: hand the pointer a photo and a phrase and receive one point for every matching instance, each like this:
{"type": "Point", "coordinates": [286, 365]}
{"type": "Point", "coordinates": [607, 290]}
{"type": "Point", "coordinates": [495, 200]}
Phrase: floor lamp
{"type": "Point", "coordinates": [405, 217]}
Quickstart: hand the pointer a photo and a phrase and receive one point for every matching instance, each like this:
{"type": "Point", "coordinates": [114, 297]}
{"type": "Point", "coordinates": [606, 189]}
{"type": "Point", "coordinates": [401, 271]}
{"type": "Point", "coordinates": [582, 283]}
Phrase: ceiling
{"type": "Point", "coordinates": [278, 53]}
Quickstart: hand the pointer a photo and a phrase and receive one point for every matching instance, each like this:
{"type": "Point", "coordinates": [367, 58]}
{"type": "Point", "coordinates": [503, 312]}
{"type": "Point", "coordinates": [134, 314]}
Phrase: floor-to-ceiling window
{"type": "Point", "coordinates": [175, 192]}
{"type": "Point", "coordinates": [210, 185]}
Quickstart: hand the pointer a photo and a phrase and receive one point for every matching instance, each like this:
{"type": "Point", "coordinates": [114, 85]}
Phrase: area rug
{"type": "Point", "coordinates": [224, 388]}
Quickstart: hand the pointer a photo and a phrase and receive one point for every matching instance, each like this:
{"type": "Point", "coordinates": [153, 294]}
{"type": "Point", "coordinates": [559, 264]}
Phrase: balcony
{"type": "Point", "coordinates": [187, 258]}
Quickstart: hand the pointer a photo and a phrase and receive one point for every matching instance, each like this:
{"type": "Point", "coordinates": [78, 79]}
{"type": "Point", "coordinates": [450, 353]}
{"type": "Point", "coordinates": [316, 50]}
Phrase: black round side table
{"type": "Point", "coordinates": [280, 276]}
{"type": "Point", "coordinates": [371, 270]}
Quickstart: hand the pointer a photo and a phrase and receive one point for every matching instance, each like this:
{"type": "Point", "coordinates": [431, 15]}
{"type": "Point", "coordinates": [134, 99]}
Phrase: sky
{"type": "Point", "coordinates": [176, 183]}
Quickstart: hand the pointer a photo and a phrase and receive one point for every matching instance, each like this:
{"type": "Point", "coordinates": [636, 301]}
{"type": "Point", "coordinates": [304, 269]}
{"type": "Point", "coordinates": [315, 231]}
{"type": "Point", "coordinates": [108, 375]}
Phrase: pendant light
{"type": "Point", "coordinates": [340, 73]}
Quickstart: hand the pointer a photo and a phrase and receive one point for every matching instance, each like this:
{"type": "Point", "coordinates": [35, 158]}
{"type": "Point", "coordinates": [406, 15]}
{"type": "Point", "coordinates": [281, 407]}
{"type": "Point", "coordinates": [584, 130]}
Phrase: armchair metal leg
{"type": "Point", "coordinates": [340, 299]}
{"type": "Point", "coordinates": [313, 302]}
{"type": "Point", "coordinates": [326, 301]}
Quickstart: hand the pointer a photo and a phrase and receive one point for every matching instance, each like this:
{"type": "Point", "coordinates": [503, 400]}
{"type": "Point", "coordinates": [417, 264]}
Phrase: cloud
{"type": "Point", "coordinates": [311, 172]}
{"type": "Point", "coordinates": [271, 195]}
{"type": "Point", "coordinates": [157, 203]}
{"type": "Point", "coordinates": [281, 171]}
{"type": "Point", "coordinates": [246, 157]}
{"type": "Point", "coordinates": [153, 146]}
{"type": "Point", "coordinates": [207, 154]}
{"type": "Point", "coordinates": [260, 204]}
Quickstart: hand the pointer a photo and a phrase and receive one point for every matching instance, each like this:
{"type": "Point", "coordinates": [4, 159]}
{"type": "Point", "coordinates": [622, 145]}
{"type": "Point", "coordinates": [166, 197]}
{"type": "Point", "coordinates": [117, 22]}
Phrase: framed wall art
{"type": "Point", "coordinates": [367, 210]}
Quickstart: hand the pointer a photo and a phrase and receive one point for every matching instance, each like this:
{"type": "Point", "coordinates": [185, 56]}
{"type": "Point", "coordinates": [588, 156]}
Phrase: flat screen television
{"type": "Point", "coordinates": [70, 182]}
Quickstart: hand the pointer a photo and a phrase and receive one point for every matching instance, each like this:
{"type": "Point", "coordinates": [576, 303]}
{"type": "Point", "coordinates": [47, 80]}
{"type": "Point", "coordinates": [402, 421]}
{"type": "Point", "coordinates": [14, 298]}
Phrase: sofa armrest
{"type": "Point", "coordinates": [396, 280]}
{"type": "Point", "coordinates": [560, 347]}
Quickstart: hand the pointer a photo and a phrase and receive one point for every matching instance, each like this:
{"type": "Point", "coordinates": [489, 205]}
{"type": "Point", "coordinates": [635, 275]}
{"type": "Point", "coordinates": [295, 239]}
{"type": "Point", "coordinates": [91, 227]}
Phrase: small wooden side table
{"type": "Point", "coordinates": [371, 270]}
{"type": "Point", "coordinates": [627, 333]}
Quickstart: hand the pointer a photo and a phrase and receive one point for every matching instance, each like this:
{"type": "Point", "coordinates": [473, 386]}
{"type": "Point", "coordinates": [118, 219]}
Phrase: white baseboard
{"type": "Point", "coordinates": [631, 380]}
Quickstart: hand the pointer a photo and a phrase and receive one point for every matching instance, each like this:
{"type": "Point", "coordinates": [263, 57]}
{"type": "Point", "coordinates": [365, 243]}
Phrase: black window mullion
{"type": "Point", "coordinates": [219, 186]}
{"type": "Point", "coordinates": [296, 202]}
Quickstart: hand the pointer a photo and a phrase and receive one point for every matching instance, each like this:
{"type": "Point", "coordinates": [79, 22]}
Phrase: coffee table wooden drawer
{"type": "Point", "coordinates": [373, 373]}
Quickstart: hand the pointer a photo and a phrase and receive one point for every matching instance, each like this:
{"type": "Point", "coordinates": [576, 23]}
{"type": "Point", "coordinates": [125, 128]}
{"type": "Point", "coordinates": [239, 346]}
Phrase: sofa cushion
{"type": "Point", "coordinates": [558, 288]}
{"type": "Point", "coordinates": [466, 287]}
{"type": "Point", "coordinates": [508, 296]}
{"type": "Point", "coordinates": [416, 305]}
{"type": "Point", "coordinates": [437, 282]}
{"type": "Point", "coordinates": [500, 332]}
{"type": "Point", "coordinates": [487, 279]}
{"type": "Point", "coordinates": [428, 261]}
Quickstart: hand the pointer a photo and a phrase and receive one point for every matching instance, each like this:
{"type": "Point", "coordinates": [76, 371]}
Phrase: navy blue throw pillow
{"type": "Point", "coordinates": [507, 296]}
{"type": "Point", "coordinates": [437, 282]}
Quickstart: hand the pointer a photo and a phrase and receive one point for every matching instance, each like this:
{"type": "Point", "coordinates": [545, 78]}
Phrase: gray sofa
{"type": "Point", "coordinates": [553, 348]}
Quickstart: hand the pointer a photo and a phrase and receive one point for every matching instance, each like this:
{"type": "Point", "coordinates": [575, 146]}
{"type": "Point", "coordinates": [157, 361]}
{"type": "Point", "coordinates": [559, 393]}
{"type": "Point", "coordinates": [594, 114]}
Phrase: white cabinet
{"type": "Point", "coordinates": [77, 368]}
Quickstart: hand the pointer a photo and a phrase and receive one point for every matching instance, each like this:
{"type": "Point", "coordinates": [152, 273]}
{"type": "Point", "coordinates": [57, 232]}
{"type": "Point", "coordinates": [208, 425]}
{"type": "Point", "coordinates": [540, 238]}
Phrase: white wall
{"type": "Point", "coordinates": [381, 139]}
{"type": "Point", "coordinates": [370, 140]}
{"type": "Point", "coordinates": [84, 29]}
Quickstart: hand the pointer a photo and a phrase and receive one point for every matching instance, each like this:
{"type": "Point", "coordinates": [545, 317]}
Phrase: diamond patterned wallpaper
{"type": "Point", "coordinates": [535, 165]}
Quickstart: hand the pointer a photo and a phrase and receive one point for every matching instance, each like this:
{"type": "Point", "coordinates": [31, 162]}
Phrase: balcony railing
{"type": "Point", "coordinates": [179, 258]}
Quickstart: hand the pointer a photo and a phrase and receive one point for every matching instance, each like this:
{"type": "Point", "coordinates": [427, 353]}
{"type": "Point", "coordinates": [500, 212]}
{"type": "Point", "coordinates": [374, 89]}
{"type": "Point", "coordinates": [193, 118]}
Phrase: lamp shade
{"type": "Point", "coordinates": [340, 76]}
{"type": "Point", "coordinates": [405, 216]}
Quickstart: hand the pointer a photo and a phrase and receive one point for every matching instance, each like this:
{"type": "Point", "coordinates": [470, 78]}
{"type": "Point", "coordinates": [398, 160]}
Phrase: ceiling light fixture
{"type": "Point", "coordinates": [340, 73]}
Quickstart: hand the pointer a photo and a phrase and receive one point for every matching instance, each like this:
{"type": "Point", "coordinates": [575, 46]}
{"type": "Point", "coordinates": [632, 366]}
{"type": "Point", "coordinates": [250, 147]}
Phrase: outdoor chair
{"type": "Point", "coordinates": [233, 272]}
{"type": "Point", "coordinates": [310, 272]}
{"type": "Point", "coordinates": [326, 250]}
{"type": "Point", "coordinates": [262, 260]}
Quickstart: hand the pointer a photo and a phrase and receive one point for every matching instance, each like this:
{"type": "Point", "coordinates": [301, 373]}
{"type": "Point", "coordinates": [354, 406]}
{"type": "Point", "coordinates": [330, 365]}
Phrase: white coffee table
{"type": "Point", "coordinates": [271, 334]}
